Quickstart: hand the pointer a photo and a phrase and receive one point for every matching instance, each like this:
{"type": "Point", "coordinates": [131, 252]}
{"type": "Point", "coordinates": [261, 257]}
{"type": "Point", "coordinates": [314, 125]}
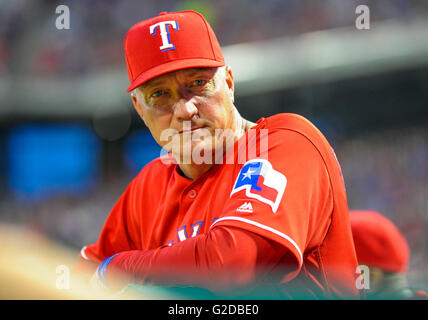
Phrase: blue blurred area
{"type": "Point", "coordinates": [140, 148]}
{"type": "Point", "coordinates": [49, 159]}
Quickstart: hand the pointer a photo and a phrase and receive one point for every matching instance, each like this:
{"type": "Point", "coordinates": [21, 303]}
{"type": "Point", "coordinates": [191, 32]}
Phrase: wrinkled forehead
{"type": "Point", "coordinates": [208, 72]}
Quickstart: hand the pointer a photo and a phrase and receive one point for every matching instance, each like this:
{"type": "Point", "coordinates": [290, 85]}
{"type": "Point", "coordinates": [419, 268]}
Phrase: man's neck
{"type": "Point", "coordinates": [193, 171]}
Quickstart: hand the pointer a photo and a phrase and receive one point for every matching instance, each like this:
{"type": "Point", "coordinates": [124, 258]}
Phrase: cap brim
{"type": "Point", "coordinates": [173, 66]}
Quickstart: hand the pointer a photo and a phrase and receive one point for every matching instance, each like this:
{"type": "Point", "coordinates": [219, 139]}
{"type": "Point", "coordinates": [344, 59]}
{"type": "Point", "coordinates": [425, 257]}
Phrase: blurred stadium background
{"type": "Point", "coordinates": [70, 141]}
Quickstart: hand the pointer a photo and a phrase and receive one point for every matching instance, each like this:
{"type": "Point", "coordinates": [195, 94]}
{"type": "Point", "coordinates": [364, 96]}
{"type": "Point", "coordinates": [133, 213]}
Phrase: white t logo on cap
{"type": "Point", "coordinates": [164, 32]}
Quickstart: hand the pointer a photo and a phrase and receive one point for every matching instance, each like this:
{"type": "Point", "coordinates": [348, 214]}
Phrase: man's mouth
{"type": "Point", "coordinates": [190, 130]}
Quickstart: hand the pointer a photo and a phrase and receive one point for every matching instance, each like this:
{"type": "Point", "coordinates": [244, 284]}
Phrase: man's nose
{"type": "Point", "coordinates": [185, 109]}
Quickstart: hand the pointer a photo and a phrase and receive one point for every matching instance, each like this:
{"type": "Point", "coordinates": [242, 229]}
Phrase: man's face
{"type": "Point", "coordinates": [188, 102]}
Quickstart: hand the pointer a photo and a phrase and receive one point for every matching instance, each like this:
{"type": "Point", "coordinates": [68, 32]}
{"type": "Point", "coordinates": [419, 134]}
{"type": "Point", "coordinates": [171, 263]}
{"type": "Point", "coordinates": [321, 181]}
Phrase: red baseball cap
{"type": "Point", "coordinates": [378, 242]}
{"type": "Point", "coordinates": [169, 42]}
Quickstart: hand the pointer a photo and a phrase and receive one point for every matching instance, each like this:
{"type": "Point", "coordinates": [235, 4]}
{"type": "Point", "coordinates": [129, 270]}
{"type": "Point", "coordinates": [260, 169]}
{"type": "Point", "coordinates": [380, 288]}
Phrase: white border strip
{"type": "Point", "coordinates": [82, 252]}
{"type": "Point", "coordinates": [282, 235]}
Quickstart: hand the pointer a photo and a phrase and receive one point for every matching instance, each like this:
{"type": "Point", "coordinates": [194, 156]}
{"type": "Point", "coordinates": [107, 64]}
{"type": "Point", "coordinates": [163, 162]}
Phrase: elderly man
{"type": "Point", "coordinates": [233, 206]}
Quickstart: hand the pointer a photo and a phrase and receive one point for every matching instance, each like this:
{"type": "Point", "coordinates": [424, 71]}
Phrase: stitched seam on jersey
{"type": "Point", "coordinates": [311, 142]}
{"type": "Point", "coordinates": [324, 275]}
{"type": "Point", "coordinates": [262, 226]}
{"type": "Point", "coordinates": [316, 148]}
{"type": "Point", "coordinates": [326, 168]}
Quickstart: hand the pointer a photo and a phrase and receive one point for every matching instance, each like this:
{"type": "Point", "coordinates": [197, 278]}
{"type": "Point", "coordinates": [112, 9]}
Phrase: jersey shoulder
{"type": "Point", "coordinates": [291, 122]}
{"type": "Point", "coordinates": [294, 132]}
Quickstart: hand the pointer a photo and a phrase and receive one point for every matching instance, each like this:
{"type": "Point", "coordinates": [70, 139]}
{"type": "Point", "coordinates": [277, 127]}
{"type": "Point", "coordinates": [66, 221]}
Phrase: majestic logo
{"type": "Point", "coordinates": [260, 181]}
{"type": "Point", "coordinates": [246, 207]}
{"type": "Point", "coordinates": [163, 26]}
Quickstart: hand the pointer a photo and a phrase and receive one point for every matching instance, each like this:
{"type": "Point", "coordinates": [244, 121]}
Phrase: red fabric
{"type": "Point", "coordinates": [223, 258]}
{"type": "Point", "coordinates": [193, 44]}
{"type": "Point", "coordinates": [308, 215]}
{"type": "Point", "coordinates": [378, 242]}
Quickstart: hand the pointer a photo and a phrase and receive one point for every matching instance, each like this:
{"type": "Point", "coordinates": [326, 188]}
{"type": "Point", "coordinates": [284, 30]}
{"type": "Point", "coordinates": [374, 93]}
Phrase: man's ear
{"type": "Point", "coordinates": [230, 82]}
{"type": "Point", "coordinates": [137, 106]}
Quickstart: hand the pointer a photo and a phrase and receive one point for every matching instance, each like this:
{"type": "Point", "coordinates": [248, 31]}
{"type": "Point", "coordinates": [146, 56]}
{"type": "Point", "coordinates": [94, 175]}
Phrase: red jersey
{"type": "Point", "coordinates": [291, 194]}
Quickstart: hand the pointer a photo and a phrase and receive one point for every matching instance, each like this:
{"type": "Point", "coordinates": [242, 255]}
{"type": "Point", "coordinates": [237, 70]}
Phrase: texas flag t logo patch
{"type": "Point", "coordinates": [262, 182]}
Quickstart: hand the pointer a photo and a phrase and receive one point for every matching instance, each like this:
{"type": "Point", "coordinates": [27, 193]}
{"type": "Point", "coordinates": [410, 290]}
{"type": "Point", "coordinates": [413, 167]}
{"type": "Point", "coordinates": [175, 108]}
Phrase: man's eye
{"type": "Point", "coordinates": [158, 93]}
{"type": "Point", "coordinates": [198, 83]}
